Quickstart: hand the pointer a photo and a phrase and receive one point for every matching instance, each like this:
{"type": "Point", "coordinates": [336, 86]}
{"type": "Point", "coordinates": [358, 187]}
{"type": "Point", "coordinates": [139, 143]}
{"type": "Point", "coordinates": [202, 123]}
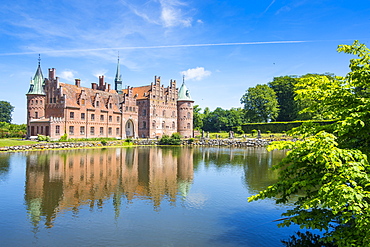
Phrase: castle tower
{"type": "Point", "coordinates": [118, 79]}
{"type": "Point", "coordinates": [35, 100]}
{"type": "Point", "coordinates": [184, 112]}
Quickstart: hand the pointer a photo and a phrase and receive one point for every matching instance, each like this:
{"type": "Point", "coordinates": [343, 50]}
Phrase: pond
{"type": "Point", "coordinates": [139, 196]}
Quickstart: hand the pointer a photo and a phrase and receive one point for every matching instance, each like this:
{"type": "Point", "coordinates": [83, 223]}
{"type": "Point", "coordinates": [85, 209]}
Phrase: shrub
{"type": "Point", "coordinates": [63, 138]}
{"type": "Point", "coordinates": [42, 138]}
{"type": "Point", "coordinates": [174, 139]}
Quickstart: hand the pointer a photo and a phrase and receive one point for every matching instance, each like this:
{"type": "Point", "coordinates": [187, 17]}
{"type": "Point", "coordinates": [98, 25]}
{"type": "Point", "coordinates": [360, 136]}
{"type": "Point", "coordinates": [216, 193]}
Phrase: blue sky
{"type": "Point", "coordinates": [222, 47]}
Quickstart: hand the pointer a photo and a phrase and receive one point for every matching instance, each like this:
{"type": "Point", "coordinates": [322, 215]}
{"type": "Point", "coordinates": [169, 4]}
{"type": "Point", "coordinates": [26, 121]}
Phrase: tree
{"type": "Point", "coordinates": [197, 118]}
{"type": "Point", "coordinates": [284, 90]}
{"type": "Point", "coordinates": [6, 110]}
{"type": "Point", "coordinates": [329, 166]}
{"type": "Point", "coordinates": [260, 103]}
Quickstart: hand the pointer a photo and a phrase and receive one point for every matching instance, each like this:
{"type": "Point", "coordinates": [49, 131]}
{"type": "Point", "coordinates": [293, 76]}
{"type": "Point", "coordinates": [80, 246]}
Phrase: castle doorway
{"type": "Point", "coordinates": [129, 127]}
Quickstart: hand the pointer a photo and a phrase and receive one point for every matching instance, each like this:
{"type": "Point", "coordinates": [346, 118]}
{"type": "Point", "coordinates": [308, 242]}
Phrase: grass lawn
{"type": "Point", "coordinates": [7, 142]}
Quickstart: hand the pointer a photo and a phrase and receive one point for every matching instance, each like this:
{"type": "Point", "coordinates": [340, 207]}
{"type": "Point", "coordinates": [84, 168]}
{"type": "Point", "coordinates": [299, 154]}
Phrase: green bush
{"type": "Point", "coordinates": [63, 138]}
{"type": "Point", "coordinates": [174, 139]}
{"type": "Point", "coordinates": [42, 138]}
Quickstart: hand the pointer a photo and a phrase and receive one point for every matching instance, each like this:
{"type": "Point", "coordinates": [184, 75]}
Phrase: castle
{"type": "Point", "coordinates": [55, 109]}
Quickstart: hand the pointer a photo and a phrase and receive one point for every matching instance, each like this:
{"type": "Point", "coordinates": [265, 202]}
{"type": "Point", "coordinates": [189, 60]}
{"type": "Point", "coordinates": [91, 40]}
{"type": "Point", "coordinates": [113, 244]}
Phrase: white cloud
{"type": "Point", "coordinates": [196, 74]}
{"type": "Point", "coordinates": [68, 75]}
{"type": "Point", "coordinates": [171, 14]}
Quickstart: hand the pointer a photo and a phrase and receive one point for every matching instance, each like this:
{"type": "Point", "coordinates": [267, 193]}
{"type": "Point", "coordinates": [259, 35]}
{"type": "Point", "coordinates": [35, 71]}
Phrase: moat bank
{"type": "Point", "coordinates": [252, 142]}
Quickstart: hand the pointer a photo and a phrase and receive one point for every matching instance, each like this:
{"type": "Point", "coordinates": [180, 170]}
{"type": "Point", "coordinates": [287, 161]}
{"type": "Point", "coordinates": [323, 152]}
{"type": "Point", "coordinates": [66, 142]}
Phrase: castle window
{"type": "Point", "coordinates": [101, 117]}
{"type": "Point", "coordinates": [97, 103]}
{"type": "Point", "coordinates": [82, 130]}
{"type": "Point", "coordinates": [37, 102]}
{"type": "Point", "coordinates": [163, 124]}
{"type": "Point", "coordinates": [101, 130]}
{"type": "Point", "coordinates": [173, 125]}
{"type": "Point", "coordinates": [40, 102]}
{"type": "Point", "coordinates": [128, 125]}
{"type": "Point", "coordinates": [71, 130]}
{"type": "Point", "coordinates": [118, 119]}
{"type": "Point", "coordinates": [42, 130]}
{"type": "Point", "coordinates": [189, 104]}
{"type": "Point", "coordinates": [110, 131]}
{"type": "Point", "coordinates": [126, 108]}
{"type": "Point", "coordinates": [51, 100]}
{"type": "Point", "coordinates": [173, 114]}
{"type": "Point", "coordinates": [188, 114]}
{"type": "Point", "coordinates": [188, 125]}
{"type": "Point", "coordinates": [36, 114]}
{"type": "Point", "coordinates": [82, 116]}
{"type": "Point", "coordinates": [57, 130]}
{"type": "Point", "coordinates": [72, 115]}
{"type": "Point", "coordinates": [144, 125]}
{"type": "Point", "coordinates": [164, 113]}
{"type": "Point", "coordinates": [82, 101]}
{"type": "Point", "coordinates": [117, 131]}
{"type": "Point", "coordinates": [92, 131]}
{"type": "Point", "coordinates": [144, 112]}
{"type": "Point", "coordinates": [153, 124]}
{"type": "Point", "coordinates": [110, 105]}
{"type": "Point", "coordinates": [92, 117]}
{"type": "Point", "coordinates": [130, 108]}
{"type": "Point", "coordinates": [31, 102]}
{"type": "Point", "coordinates": [55, 100]}
{"type": "Point", "coordinates": [110, 118]}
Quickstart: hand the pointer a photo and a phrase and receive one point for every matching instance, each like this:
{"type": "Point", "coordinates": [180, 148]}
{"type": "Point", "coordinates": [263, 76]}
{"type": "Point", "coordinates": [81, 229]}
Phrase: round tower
{"type": "Point", "coordinates": [185, 112]}
{"type": "Point", "coordinates": [35, 102]}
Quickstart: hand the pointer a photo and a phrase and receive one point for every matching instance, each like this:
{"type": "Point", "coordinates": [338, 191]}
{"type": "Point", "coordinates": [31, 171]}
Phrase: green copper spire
{"type": "Point", "coordinates": [37, 83]}
{"type": "Point", "coordinates": [184, 93]}
{"type": "Point", "coordinates": [118, 79]}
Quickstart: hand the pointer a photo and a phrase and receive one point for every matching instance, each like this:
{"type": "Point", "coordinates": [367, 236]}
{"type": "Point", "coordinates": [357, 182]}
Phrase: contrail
{"type": "Point", "coordinates": [152, 47]}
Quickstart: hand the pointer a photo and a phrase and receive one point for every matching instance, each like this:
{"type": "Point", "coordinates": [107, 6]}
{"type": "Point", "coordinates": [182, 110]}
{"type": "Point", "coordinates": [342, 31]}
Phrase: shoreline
{"type": "Point", "coordinates": [250, 142]}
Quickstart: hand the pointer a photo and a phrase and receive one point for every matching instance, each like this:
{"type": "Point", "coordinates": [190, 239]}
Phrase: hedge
{"type": "Point", "coordinates": [279, 127]}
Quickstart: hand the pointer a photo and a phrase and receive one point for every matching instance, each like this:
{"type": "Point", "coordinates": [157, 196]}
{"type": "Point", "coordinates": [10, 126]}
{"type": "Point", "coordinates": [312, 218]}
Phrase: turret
{"type": "Point", "coordinates": [36, 99]}
{"type": "Point", "coordinates": [184, 112]}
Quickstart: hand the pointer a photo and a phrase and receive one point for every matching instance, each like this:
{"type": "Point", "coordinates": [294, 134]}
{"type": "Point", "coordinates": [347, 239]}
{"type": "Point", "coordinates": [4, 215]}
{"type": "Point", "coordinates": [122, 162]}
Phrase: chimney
{"type": "Point", "coordinates": [51, 74]}
{"type": "Point", "coordinates": [78, 82]}
{"type": "Point", "coordinates": [94, 86]}
{"type": "Point", "coordinates": [101, 81]}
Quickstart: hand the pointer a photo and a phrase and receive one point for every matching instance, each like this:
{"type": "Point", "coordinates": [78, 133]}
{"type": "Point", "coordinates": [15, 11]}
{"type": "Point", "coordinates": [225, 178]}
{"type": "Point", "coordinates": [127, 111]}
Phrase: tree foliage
{"type": "Point", "coordinates": [6, 110]}
{"type": "Point", "coordinates": [260, 103]}
{"type": "Point", "coordinates": [328, 168]}
{"type": "Point", "coordinates": [222, 119]}
{"type": "Point", "coordinates": [284, 90]}
{"type": "Point", "coordinates": [12, 130]}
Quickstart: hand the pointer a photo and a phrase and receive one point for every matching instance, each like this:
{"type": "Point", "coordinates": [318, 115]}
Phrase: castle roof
{"type": "Point", "coordinates": [37, 83]}
{"type": "Point", "coordinates": [184, 94]}
{"type": "Point", "coordinates": [74, 94]}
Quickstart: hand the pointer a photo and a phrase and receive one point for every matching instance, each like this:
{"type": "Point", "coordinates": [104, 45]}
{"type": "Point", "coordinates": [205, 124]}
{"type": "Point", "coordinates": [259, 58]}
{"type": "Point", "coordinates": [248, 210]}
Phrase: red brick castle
{"type": "Point", "coordinates": [55, 108]}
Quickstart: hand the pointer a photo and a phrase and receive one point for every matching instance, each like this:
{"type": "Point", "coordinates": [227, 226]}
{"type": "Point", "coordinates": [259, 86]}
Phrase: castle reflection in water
{"type": "Point", "coordinates": [66, 180]}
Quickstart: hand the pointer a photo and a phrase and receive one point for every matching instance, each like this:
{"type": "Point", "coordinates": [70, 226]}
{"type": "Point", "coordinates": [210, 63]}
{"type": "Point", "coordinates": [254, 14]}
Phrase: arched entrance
{"type": "Point", "coordinates": [129, 128]}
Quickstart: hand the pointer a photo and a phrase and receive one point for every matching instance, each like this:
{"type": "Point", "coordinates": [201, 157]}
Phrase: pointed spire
{"type": "Point", "coordinates": [38, 82]}
{"type": "Point", "coordinates": [118, 78]}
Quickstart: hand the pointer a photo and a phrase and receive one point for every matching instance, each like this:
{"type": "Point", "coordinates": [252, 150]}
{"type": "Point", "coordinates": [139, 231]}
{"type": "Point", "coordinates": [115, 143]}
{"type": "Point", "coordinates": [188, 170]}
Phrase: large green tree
{"type": "Point", "coordinates": [284, 89]}
{"type": "Point", "coordinates": [260, 103]}
{"type": "Point", "coordinates": [327, 172]}
{"type": "Point", "coordinates": [197, 118]}
{"type": "Point", "coordinates": [6, 110]}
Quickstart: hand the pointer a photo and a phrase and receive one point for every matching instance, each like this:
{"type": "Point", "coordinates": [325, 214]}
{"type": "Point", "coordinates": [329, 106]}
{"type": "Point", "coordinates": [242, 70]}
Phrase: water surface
{"type": "Point", "coordinates": [140, 196]}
